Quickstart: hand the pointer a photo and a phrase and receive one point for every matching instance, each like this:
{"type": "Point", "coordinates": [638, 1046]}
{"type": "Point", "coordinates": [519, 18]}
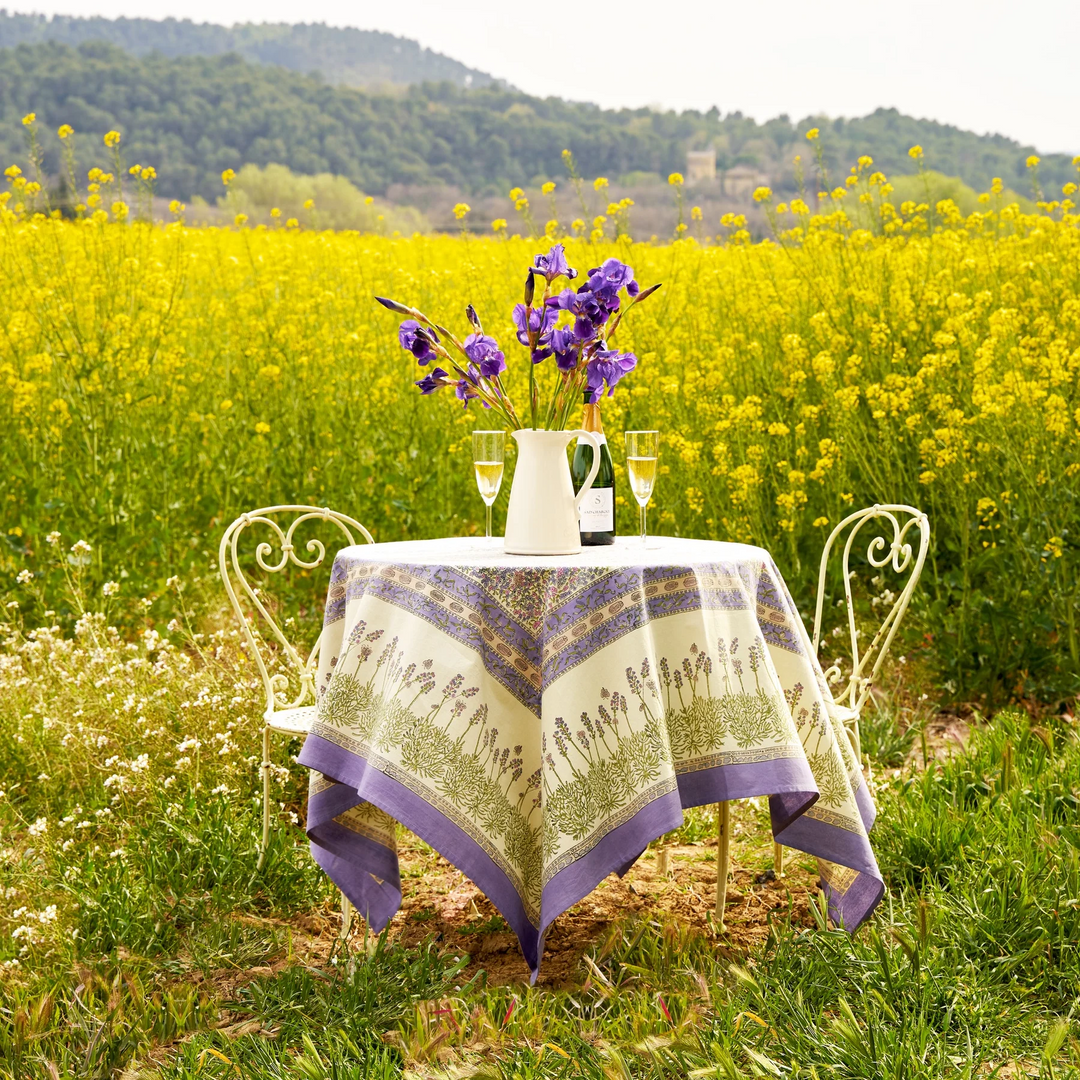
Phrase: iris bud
{"type": "Point", "coordinates": [530, 289]}
{"type": "Point", "coordinates": [646, 293]}
{"type": "Point", "coordinates": [474, 319]}
{"type": "Point", "coordinates": [393, 305]}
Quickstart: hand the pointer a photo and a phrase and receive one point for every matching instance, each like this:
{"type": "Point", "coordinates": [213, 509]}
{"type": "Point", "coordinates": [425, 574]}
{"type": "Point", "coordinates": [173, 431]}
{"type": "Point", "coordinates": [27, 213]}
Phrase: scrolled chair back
{"type": "Point", "coordinates": [893, 551]}
{"type": "Point", "coordinates": [273, 554]}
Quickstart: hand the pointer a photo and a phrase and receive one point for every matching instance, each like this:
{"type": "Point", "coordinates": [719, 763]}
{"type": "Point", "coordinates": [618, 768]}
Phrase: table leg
{"type": "Point", "coordinates": [723, 859]}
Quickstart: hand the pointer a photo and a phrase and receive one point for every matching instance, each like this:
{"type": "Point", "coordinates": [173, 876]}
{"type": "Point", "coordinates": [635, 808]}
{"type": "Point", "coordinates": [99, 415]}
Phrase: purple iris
{"type": "Point", "coordinates": [433, 380]}
{"type": "Point", "coordinates": [608, 367]}
{"type": "Point", "coordinates": [541, 320]}
{"type": "Point", "coordinates": [589, 313]}
{"type": "Point", "coordinates": [566, 355]}
{"type": "Point", "coordinates": [484, 351]}
{"type": "Point", "coordinates": [554, 264]}
{"type": "Point", "coordinates": [417, 340]}
{"type": "Point", "coordinates": [613, 275]}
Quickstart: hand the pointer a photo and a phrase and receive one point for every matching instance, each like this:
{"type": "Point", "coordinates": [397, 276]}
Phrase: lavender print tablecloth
{"type": "Point", "coordinates": [539, 721]}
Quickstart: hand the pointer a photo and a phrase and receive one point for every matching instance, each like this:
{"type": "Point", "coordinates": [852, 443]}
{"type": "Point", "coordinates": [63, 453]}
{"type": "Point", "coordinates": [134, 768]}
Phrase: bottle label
{"type": "Point", "coordinates": [600, 437]}
{"type": "Point", "coordinates": [597, 511]}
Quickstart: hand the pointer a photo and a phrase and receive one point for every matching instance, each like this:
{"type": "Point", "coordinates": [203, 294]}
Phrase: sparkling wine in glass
{"type": "Point", "coordinates": [642, 448]}
{"type": "Point", "coordinates": [488, 465]}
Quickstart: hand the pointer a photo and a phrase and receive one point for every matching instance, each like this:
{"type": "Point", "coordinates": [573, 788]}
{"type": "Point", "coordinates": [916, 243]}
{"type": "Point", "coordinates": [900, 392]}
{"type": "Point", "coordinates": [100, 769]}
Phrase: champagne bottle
{"type": "Point", "coordinates": [597, 516]}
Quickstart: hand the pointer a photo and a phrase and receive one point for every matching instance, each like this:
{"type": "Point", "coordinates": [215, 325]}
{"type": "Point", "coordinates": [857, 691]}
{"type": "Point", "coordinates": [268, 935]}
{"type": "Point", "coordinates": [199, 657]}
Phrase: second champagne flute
{"type": "Point", "coordinates": [642, 449]}
{"type": "Point", "coordinates": [488, 447]}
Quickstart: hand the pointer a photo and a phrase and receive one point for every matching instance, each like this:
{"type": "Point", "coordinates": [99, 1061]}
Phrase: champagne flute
{"type": "Point", "coordinates": [642, 448]}
{"type": "Point", "coordinates": [488, 464]}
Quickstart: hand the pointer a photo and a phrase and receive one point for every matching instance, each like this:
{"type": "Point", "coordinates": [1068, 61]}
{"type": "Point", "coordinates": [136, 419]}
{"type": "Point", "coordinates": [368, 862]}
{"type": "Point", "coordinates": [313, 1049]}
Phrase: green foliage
{"type": "Point", "coordinates": [339, 54]}
{"type": "Point", "coordinates": [192, 117]}
{"type": "Point", "coordinates": [338, 204]}
{"type": "Point", "coordinates": [931, 187]}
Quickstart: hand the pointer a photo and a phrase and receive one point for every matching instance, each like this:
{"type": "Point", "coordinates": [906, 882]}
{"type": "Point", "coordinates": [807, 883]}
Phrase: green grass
{"type": "Point", "coordinates": [173, 960]}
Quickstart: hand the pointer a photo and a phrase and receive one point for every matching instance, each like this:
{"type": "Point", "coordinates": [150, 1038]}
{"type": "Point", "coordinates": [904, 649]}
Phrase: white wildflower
{"type": "Point", "coordinates": [39, 827]}
{"type": "Point", "coordinates": [25, 577]}
{"type": "Point", "coordinates": [174, 626]}
{"type": "Point", "coordinates": [110, 588]}
{"type": "Point", "coordinates": [53, 538]}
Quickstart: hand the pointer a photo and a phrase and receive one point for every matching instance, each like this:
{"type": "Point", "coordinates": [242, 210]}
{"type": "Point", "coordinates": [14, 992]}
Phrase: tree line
{"type": "Point", "coordinates": [194, 116]}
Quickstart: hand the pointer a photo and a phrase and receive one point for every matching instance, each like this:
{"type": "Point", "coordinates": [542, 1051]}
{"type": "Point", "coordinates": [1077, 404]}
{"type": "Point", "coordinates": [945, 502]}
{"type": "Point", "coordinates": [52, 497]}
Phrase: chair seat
{"type": "Point", "coordinates": [845, 715]}
{"type": "Point", "coordinates": [292, 721]}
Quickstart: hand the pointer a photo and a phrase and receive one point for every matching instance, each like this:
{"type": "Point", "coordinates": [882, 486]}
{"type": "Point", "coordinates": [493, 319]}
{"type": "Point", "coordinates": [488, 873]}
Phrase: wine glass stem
{"type": "Point", "coordinates": [643, 511]}
{"type": "Point", "coordinates": [487, 507]}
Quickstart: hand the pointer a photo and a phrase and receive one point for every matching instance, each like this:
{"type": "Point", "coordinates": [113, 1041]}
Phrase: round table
{"type": "Point", "coordinates": [539, 721]}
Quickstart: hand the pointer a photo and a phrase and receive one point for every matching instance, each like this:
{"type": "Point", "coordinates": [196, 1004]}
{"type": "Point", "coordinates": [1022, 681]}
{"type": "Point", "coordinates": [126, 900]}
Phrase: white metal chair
{"type": "Point", "coordinates": [290, 693]}
{"type": "Point", "coordinates": [895, 553]}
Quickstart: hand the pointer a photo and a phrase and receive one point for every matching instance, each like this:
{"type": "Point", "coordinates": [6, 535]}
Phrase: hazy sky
{"type": "Point", "coordinates": [989, 66]}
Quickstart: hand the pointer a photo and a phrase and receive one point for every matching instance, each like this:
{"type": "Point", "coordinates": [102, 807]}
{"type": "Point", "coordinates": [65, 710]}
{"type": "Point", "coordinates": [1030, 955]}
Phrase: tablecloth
{"type": "Point", "coordinates": [539, 721]}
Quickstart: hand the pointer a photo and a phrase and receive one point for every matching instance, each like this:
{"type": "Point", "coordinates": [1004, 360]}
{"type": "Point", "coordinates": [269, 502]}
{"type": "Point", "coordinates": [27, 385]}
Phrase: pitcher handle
{"type": "Point", "coordinates": [595, 463]}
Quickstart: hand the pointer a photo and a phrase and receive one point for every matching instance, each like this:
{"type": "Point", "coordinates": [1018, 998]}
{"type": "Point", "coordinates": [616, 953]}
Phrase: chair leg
{"type": "Point", "coordinates": [723, 860]}
{"type": "Point", "coordinates": [266, 799]}
{"type": "Point", "coordinates": [778, 859]}
{"type": "Point", "coordinates": [346, 917]}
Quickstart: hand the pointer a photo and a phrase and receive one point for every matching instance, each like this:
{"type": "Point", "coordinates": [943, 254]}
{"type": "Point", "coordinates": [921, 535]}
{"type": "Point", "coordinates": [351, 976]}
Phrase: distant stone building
{"type": "Point", "coordinates": [700, 165]}
{"type": "Point", "coordinates": [741, 181]}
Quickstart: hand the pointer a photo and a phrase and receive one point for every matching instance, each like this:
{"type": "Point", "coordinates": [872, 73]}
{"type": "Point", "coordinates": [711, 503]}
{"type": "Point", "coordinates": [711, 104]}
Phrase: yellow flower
{"type": "Point", "coordinates": [598, 221]}
{"type": "Point", "coordinates": [516, 193]}
{"type": "Point", "coordinates": [851, 181]}
{"type": "Point", "coordinates": [1032, 161]}
{"type": "Point", "coordinates": [309, 204]}
{"type": "Point", "coordinates": [369, 200]}
{"type": "Point", "coordinates": [596, 235]}
{"type": "Point", "coordinates": [996, 186]}
{"type": "Point", "coordinates": [94, 175]}
{"type": "Point", "coordinates": [262, 427]}
{"type": "Point", "coordinates": [799, 207]}
{"type": "Point", "coordinates": [64, 131]}
{"type": "Point", "coordinates": [120, 210]}
{"type": "Point", "coordinates": [865, 161]}
{"type": "Point", "coordinates": [292, 223]}
{"type": "Point", "coordinates": [695, 213]}
{"type": "Point", "coordinates": [225, 405]}
{"type": "Point", "coordinates": [498, 224]}
{"type": "Point", "coordinates": [112, 138]}
{"type": "Point", "coordinates": [275, 212]}
{"type": "Point", "coordinates": [33, 187]}
{"type": "Point", "coordinates": [240, 219]}
{"type": "Point", "coordinates": [1069, 189]}
{"type": "Point", "coordinates": [461, 209]}
{"type": "Point", "coordinates": [681, 227]}
{"type": "Point", "coordinates": [521, 204]}
{"type": "Point", "coordinates": [915, 153]}
{"type": "Point", "coordinates": [782, 208]}
{"type": "Point", "coordinates": [762, 194]}
{"type": "Point", "coordinates": [12, 171]}
{"type": "Point", "coordinates": [548, 188]}
{"type": "Point", "coordinates": [134, 170]}
{"type": "Point", "coordinates": [600, 183]}
{"type": "Point", "coordinates": [551, 227]}
{"type": "Point", "coordinates": [149, 173]}
{"type": "Point", "coordinates": [675, 179]}
{"type": "Point", "coordinates": [838, 193]}
{"type": "Point", "coordinates": [812, 134]}
{"type": "Point", "coordinates": [227, 177]}
{"type": "Point", "coordinates": [28, 119]}
{"type": "Point", "coordinates": [820, 521]}
{"type": "Point", "coordinates": [577, 225]}
{"type": "Point", "coordinates": [176, 207]}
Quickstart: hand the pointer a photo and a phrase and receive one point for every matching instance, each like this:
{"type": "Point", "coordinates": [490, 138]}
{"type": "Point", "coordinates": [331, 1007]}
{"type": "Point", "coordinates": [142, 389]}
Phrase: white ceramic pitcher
{"type": "Point", "coordinates": [542, 518]}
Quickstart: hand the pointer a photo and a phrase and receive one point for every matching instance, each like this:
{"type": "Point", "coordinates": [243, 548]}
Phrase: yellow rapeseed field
{"type": "Point", "coordinates": [159, 379]}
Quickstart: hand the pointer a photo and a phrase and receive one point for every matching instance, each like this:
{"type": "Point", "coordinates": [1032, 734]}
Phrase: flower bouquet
{"type": "Point", "coordinates": [573, 326]}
